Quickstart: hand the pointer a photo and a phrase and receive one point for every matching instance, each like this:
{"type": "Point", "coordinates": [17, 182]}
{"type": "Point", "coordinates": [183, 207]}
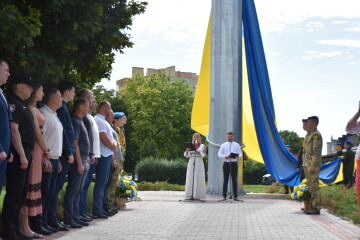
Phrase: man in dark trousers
{"type": "Point", "coordinates": [230, 152]}
{"type": "Point", "coordinates": [4, 123]}
{"type": "Point", "coordinates": [67, 91]}
{"type": "Point", "coordinates": [348, 164]}
{"type": "Point", "coordinates": [22, 143]}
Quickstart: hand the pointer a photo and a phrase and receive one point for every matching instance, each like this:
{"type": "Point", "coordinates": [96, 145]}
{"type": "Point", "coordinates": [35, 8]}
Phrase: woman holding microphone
{"type": "Point", "coordinates": [195, 175]}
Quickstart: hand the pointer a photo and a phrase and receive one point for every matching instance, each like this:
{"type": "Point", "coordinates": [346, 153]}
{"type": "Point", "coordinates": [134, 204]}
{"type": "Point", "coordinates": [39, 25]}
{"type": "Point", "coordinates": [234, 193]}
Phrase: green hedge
{"type": "Point", "coordinates": [152, 169]}
{"type": "Point", "coordinates": [253, 172]}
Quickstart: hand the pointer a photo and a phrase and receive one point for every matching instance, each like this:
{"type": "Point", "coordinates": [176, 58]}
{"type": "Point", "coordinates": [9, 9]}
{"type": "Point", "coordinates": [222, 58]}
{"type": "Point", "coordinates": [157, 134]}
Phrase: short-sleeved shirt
{"type": "Point", "coordinates": [20, 114]}
{"type": "Point", "coordinates": [105, 127]}
{"type": "Point", "coordinates": [81, 135]}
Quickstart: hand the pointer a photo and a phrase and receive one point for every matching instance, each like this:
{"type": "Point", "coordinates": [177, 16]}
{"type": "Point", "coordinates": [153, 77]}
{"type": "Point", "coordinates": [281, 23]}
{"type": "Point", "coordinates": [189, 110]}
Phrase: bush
{"type": "Point", "coordinates": [160, 186]}
{"type": "Point", "coordinates": [152, 169]}
{"type": "Point", "coordinates": [253, 172]}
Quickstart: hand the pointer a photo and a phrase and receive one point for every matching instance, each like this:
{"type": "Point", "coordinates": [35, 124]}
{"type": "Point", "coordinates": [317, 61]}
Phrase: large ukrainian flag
{"type": "Point", "coordinates": [259, 131]}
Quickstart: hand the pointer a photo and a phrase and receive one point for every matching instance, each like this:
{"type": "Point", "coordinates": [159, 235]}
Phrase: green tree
{"type": "Point", "coordinates": [66, 39]}
{"type": "Point", "coordinates": [157, 110]}
{"type": "Point", "coordinates": [103, 94]}
{"type": "Point", "coordinates": [291, 138]}
{"type": "Point", "coordinates": [148, 149]}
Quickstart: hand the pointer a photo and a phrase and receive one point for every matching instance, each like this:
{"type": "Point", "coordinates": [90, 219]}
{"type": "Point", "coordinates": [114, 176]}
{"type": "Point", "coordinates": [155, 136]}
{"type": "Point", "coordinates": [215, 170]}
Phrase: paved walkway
{"type": "Point", "coordinates": [162, 216]}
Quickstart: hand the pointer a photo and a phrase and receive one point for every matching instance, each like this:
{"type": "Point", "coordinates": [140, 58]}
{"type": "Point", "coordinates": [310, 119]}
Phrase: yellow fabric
{"type": "Point", "coordinates": [201, 107]}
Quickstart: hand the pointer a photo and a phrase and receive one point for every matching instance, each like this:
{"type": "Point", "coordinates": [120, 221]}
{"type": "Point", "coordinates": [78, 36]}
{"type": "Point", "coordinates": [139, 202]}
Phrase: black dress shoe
{"type": "Point", "coordinates": [100, 215]}
{"type": "Point", "coordinates": [58, 226]}
{"type": "Point", "coordinates": [78, 221]}
{"type": "Point", "coordinates": [64, 225]}
{"type": "Point", "coordinates": [74, 225]}
{"type": "Point", "coordinates": [90, 215]}
{"type": "Point", "coordinates": [113, 211]}
{"type": "Point", "coordinates": [116, 210]}
{"type": "Point", "coordinates": [51, 229]}
{"type": "Point", "coordinates": [107, 212]}
{"type": "Point", "coordinates": [85, 219]}
{"type": "Point", "coordinates": [41, 230]}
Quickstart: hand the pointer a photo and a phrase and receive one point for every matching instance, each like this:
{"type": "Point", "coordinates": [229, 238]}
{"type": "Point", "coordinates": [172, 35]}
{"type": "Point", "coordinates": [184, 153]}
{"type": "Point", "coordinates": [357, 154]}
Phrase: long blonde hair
{"type": "Point", "coordinates": [193, 141]}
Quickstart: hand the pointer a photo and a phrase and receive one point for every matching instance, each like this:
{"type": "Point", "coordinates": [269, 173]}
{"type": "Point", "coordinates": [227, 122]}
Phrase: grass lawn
{"type": "Point", "coordinates": [256, 188]}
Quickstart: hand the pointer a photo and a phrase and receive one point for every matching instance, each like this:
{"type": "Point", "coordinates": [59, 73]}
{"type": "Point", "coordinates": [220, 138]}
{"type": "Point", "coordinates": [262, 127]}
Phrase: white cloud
{"type": "Point", "coordinates": [340, 22]}
{"type": "Point", "coordinates": [353, 63]}
{"type": "Point", "coordinates": [295, 12]}
{"type": "Point", "coordinates": [341, 42]}
{"type": "Point", "coordinates": [316, 55]}
{"type": "Point", "coordinates": [353, 29]}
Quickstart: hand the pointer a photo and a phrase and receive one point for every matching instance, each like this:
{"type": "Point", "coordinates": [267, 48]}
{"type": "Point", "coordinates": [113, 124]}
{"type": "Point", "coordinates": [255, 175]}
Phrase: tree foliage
{"type": "Point", "coordinates": [157, 110]}
{"type": "Point", "coordinates": [66, 39]}
{"type": "Point", "coordinates": [291, 138]}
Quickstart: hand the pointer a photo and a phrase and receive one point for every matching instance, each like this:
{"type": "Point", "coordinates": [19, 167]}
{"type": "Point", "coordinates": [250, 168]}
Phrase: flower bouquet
{"type": "Point", "coordinates": [126, 188]}
{"type": "Point", "coordinates": [301, 192]}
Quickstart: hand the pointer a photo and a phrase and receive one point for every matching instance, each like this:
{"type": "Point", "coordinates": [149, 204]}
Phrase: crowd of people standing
{"type": "Point", "coordinates": [42, 148]}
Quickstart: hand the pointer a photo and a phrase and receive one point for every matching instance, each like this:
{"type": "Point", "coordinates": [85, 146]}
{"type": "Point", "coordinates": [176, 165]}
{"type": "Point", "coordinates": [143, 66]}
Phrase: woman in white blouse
{"type": "Point", "coordinates": [198, 174]}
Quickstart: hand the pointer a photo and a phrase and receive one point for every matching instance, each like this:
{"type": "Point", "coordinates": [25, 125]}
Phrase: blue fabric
{"type": "Point", "coordinates": [83, 197]}
{"type": "Point", "coordinates": [280, 163]}
{"type": "Point", "coordinates": [4, 125]}
{"type": "Point", "coordinates": [102, 176]}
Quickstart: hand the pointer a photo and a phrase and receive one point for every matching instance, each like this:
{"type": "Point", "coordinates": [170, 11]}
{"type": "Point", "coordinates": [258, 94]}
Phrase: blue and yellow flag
{"type": "Point", "coordinates": [259, 131]}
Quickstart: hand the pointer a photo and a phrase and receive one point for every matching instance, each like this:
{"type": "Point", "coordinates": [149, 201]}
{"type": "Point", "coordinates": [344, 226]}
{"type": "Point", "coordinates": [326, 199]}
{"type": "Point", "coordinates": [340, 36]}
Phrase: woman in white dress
{"type": "Point", "coordinates": [199, 174]}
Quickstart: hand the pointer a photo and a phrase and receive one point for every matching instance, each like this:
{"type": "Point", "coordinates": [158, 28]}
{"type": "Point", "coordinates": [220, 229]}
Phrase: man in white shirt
{"type": "Point", "coordinates": [53, 132]}
{"type": "Point", "coordinates": [107, 148]}
{"type": "Point", "coordinates": [229, 152]}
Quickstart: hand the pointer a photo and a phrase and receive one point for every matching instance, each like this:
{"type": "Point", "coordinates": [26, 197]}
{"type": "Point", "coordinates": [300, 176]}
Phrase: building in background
{"type": "Point", "coordinates": [174, 75]}
{"type": "Point", "coordinates": [354, 138]}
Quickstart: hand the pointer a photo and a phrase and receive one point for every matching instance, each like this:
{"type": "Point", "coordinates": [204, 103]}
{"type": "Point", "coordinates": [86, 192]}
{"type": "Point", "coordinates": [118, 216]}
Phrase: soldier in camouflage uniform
{"type": "Point", "coordinates": [312, 162]}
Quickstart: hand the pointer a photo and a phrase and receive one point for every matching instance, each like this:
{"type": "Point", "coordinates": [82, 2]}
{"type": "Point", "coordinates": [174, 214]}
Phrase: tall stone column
{"type": "Point", "coordinates": [225, 86]}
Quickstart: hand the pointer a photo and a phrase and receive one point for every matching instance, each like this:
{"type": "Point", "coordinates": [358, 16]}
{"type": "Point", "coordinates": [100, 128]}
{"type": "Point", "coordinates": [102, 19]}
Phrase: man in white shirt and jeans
{"type": "Point", "coordinates": [107, 148]}
{"type": "Point", "coordinates": [229, 152]}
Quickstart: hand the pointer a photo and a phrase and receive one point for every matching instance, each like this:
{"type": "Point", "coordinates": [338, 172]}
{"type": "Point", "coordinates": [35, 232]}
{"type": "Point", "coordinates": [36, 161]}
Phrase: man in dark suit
{"type": "Point", "coordinates": [5, 134]}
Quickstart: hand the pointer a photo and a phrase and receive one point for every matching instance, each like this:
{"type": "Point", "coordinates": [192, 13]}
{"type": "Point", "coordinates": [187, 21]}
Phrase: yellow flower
{"type": "Point", "coordinates": [300, 193]}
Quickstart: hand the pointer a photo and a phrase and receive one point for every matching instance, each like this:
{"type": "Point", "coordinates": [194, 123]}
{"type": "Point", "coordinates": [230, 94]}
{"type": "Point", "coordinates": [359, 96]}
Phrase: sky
{"type": "Point", "coordinates": [312, 50]}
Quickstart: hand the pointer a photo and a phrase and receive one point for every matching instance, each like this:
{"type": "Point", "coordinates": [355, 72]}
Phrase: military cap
{"type": "Point", "coordinates": [313, 117]}
{"type": "Point", "coordinates": [118, 115]}
{"type": "Point", "coordinates": [348, 142]}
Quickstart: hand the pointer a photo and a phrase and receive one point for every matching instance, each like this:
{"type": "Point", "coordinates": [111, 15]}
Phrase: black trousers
{"type": "Point", "coordinates": [234, 173]}
{"type": "Point", "coordinates": [17, 181]}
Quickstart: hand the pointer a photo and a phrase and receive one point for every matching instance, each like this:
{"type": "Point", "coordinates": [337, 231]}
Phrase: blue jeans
{"type": "Point", "coordinates": [102, 176]}
{"type": "Point", "coordinates": [84, 193]}
{"type": "Point", "coordinates": [72, 190]}
{"type": "Point", "coordinates": [3, 165]}
{"type": "Point", "coordinates": [76, 211]}
{"type": "Point", "coordinates": [61, 177]}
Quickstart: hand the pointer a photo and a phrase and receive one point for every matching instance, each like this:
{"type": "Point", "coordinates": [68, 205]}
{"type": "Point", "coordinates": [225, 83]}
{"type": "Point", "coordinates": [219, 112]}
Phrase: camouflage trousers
{"type": "Point", "coordinates": [113, 185]}
{"type": "Point", "coordinates": [313, 184]}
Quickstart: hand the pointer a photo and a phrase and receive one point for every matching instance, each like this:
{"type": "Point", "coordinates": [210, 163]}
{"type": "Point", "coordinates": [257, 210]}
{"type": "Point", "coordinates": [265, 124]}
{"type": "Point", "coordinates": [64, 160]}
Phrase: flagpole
{"type": "Point", "coordinates": [225, 84]}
